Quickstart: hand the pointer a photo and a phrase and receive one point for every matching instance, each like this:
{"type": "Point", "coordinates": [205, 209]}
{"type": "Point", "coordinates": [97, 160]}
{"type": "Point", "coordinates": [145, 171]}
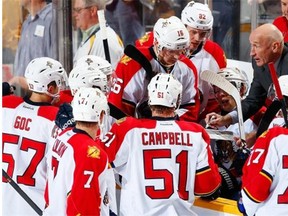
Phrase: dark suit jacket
{"type": "Point", "coordinates": [261, 83]}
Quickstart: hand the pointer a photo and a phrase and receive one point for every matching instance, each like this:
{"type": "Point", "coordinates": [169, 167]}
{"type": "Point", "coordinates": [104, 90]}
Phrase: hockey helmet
{"type": "Point", "coordinates": [165, 90]}
{"type": "Point", "coordinates": [198, 16]}
{"type": "Point", "coordinates": [42, 71]}
{"type": "Point", "coordinates": [87, 76]}
{"type": "Point", "coordinates": [88, 103]}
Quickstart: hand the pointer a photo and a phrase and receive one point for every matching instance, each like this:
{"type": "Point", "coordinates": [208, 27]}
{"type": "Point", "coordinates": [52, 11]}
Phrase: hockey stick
{"type": "Point", "coordinates": [278, 91]}
{"type": "Point", "coordinates": [22, 193]}
{"type": "Point", "coordinates": [268, 117]}
{"type": "Point", "coordinates": [225, 85]}
{"type": "Point", "coordinates": [102, 23]}
{"type": "Point", "coordinates": [136, 55]}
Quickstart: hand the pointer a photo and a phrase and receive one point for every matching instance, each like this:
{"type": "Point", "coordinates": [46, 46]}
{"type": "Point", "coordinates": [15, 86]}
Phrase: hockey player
{"type": "Point", "coordinates": [88, 73]}
{"type": "Point", "coordinates": [77, 168]}
{"type": "Point", "coordinates": [82, 75]}
{"type": "Point", "coordinates": [129, 90]}
{"type": "Point", "coordinates": [84, 62]}
{"type": "Point", "coordinates": [28, 125]}
{"type": "Point", "coordinates": [227, 154]}
{"type": "Point", "coordinates": [265, 174]}
{"type": "Point", "coordinates": [175, 158]}
{"type": "Point", "coordinates": [98, 62]}
{"type": "Point", "coordinates": [204, 53]}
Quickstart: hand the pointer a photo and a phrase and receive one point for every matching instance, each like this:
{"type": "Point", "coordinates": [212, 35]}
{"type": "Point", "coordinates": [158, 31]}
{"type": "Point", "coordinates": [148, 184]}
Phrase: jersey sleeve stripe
{"type": "Point", "coordinates": [203, 170]}
{"type": "Point", "coordinates": [266, 175]}
{"type": "Point", "coordinates": [250, 196]}
{"type": "Point", "coordinates": [207, 193]}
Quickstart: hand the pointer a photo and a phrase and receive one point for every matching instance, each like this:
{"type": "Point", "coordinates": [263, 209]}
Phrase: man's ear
{"type": "Point", "coordinates": [94, 10]}
{"type": "Point", "coordinates": [51, 89]}
{"type": "Point", "coordinates": [275, 47]}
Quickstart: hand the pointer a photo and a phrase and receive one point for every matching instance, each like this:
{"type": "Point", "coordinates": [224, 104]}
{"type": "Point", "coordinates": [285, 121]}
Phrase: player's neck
{"type": "Point", "coordinates": [91, 130]}
{"type": "Point", "coordinates": [40, 98]}
{"type": "Point", "coordinates": [163, 114]}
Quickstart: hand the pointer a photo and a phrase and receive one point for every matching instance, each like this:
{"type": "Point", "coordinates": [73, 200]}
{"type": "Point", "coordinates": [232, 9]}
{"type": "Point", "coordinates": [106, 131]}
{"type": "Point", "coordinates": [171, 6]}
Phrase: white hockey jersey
{"type": "Point", "coordinates": [163, 164]}
{"type": "Point", "coordinates": [27, 128]}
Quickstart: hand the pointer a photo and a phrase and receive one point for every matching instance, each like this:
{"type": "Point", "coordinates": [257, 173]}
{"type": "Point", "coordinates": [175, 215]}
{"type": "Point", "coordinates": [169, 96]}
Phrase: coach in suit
{"type": "Point", "coordinates": [267, 45]}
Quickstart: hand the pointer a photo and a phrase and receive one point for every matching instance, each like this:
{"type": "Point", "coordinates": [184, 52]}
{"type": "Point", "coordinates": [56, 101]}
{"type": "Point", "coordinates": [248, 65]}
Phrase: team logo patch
{"type": "Point", "coordinates": [49, 64]}
{"type": "Point", "coordinates": [125, 59]}
{"type": "Point", "coordinates": [89, 61]}
{"type": "Point", "coordinates": [93, 152]}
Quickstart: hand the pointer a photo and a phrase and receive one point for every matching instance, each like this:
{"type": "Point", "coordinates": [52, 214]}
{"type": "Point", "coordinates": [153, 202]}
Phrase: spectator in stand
{"type": "Point", "coordinates": [267, 46]}
{"type": "Point", "coordinates": [281, 22]}
{"type": "Point", "coordinates": [38, 38]}
{"type": "Point", "coordinates": [129, 91]}
{"type": "Point", "coordinates": [265, 174]}
{"type": "Point", "coordinates": [29, 125]}
{"type": "Point", "coordinates": [124, 17]}
{"type": "Point", "coordinates": [77, 166]}
{"type": "Point", "coordinates": [86, 18]}
{"type": "Point", "coordinates": [168, 170]}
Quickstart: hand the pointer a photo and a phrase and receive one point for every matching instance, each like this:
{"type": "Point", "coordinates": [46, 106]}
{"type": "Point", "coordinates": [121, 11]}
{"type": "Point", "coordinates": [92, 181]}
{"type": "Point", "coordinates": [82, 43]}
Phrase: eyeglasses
{"type": "Point", "coordinates": [79, 9]}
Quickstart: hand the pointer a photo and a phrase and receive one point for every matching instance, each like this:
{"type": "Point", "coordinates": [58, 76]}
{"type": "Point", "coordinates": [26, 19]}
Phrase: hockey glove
{"type": "Point", "coordinates": [65, 117]}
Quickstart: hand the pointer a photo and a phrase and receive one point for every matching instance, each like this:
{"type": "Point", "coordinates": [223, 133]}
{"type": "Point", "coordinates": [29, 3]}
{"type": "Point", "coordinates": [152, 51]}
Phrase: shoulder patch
{"type": "Point", "coordinates": [125, 59]}
{"type": "Point", "coordinates": [144, 39]}
{"type": "Point", "coordinates": [93, 152]}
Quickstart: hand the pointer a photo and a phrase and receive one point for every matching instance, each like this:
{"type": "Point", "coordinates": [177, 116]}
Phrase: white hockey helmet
{"type": "Point", "coordinates": [198, 16]}
{"type": "Point", "coordinates": [88, 103]}
{"type": "Point", "coordinates": [283, 82]}
{"type": "Point", "coordinates": [87, 76]}
{"type": "Point", "coordinates": [171, 33]}
{"type": "Point", "coordinates": [95, 61]}
{"type": "Point", "coordinates": [165, 90]}
{"type": "Point", "coordinates": [235, 76]}
{"type": "Point", "coordinates": [42, 71]}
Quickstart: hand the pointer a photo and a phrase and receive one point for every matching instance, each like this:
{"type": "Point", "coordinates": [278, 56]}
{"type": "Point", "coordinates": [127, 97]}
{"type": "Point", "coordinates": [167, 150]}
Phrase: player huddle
{"type": "Point", "coordinates": [138, 126]}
